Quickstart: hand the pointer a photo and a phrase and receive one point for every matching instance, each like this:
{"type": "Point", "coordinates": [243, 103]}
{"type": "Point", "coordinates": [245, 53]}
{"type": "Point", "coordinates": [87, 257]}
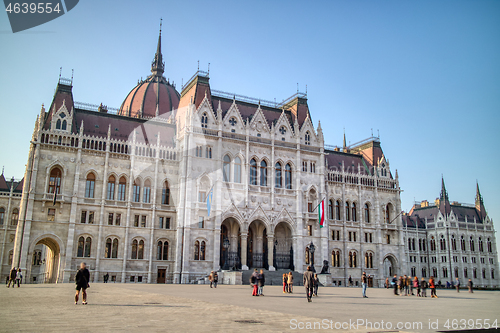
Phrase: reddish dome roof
{"type": "Point", "coordinates": [153, 96]}
{"type": "Point", "coordinates": [150, 98]}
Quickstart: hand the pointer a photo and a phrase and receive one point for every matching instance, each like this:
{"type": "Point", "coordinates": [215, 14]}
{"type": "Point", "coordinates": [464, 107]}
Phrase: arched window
{"type": "Point", "coordinates": [462, 243]}
{"type": "Point", "coordinates": [434, 272]}
{"type": "Point", "coordinates": [413, 271]}
{"type": "Point", "coordinates": [330, 209]}
{"type": "Point", "coordinates": [237, 170]}
{"type": "Point", "coordinates": [308, 256]}
{"type": "Point", "coordinates": [466, 273]}
{"type": "Point", "coordinates": [165, 194]}
{"type": "Point", "coordinates": [122, 188]}
{"type": "Point", "coordinates": [140, 250]}
{"type": "Point", "coordinates": [197, 250]}
{"type": "Point", "coordinates": [146, 196]}
{"type": "Point", "coordinates": [253, 172]}
{"type": "Point", "coordinates": [134, 249]}
{"type": "Point", "coordinates": [474, 273]}
{"type": "Point", "coordinates": [352, 259]}
{"type": "Point", "coordinates": [354, 212]}
{"type": "Point", "coordinates": [424, 272]}
{"type": "Point", "coordinates": [204, 120]}
{"type": "Point", "coordinates": [336, 258]}
{"type": "Point", "coordinates": [263, 173]}
{"type": "Point", "coordinates": [492, 274]}
{"type": "Point", "coordinates": [453, 243]}
{"type": "Point", "coordinates": [472, 248]}
{"type": "Point", "coordinates": [202, 250]}
{"type": "Point", "coordinates": [288, 176]}
{"type": "Point", "coordinates": [15, 217]}
{"type": "Point", "coordinates": [433, 244]}
{"type": "Point", "coordinates": [488, 244]}
{"type": "Point", "coordinates": [347, 211]}
{"type": "Point", "coordinates": [456, 272]}
{"type": "Point", "coordinates": [107, 251]}
{"type": "Point", "coordinates": [369, 260]}
{"type": "Point", "coordinates": [226, 168]}
{"type": "Point", "coordinates": [307, 138]}
{"type": "Point", "coordinates": [278, 179]}
{"type": "Point", "coordinates": [114, 252]}
{"type": "Point", "coordinates": [367, 213]}
{"type": "Point", "coordinates": [81, 245]}
{"type": "Point", "coordinates": [337, 210]}
{"type": "Point", "coordinates": [484, 273]}
{"type": "Point", "coordinates": [63, 125]}
{"type": "Point", "coordinates": [58, 124]}
{"type": "Point", "coordinates": [162, 253]}
{"type": "Point", "coordinates": [442, 243]}
{"type": "Point", "coordinates": [137, 190]}
{"type": "Point", "coordinates": [2, 215]}
{"type": "Point", "coordinates": [88, 247]}
{"type": "Point", "coordinates": [387, 214]}
{"type": "Point", "coordinates": [481, 249]}
{"type": "Point", "coordinates": [55, 181]}
{"type": "Point", "coordinates": [110, 193]}
{"type": "Point", "coordinates": [90, 185]}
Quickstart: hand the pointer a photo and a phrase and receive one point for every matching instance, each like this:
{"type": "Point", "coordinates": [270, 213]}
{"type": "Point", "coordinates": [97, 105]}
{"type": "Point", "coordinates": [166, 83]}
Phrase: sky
{"type": "Point", "coordinates": [425, 75]}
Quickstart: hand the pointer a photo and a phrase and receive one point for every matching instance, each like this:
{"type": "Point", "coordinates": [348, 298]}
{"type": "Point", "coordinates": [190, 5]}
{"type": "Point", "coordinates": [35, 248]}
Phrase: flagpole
{"type": "Point", "coordinates": [318, 205]}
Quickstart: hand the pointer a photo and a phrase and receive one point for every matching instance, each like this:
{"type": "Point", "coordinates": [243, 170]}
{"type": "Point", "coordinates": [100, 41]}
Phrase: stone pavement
{"type": "Point", "coordinates": [197, 308]}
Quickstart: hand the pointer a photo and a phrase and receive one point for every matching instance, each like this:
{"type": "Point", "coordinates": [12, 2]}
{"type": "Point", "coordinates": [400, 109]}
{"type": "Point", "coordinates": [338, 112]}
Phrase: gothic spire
{"type": "Point", "coordinates": [444, 195]}
{"type": "Point", "coordinates": [158, 66]}
{"type": "Point", "coordinates": [444, 202]}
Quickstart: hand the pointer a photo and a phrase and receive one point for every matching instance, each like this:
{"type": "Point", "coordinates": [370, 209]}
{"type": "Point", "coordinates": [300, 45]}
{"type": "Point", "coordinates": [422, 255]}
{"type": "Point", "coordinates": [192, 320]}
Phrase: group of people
{"type": "Point", "coordinates": [288, 283]}
{"type": "Point", "coordinates": [257, 281]}
{"type": "Point", "coordinates": [407, 285]}
{"type": "Point", "coordinates": [15, 277]}
{"type": "Point", "coordinates": [214, 279]}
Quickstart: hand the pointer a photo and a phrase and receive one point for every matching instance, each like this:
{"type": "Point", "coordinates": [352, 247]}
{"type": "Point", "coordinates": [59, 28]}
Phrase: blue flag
{"type": "Point", "coordinates": [209, 200]}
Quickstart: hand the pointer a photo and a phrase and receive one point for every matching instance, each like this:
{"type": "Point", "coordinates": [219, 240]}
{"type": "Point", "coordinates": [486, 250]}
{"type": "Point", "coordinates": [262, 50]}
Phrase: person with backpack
{"type": "Point", "coordinates": [261, 283]}
{"type": "Point", "coordinates": [254, 280]}
{"type": "Point", "coordinates": [82, 278]}
{"type": "Point", "coordinates": [423, 286]}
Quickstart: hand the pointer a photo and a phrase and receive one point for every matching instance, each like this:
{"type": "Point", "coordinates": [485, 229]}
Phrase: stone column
{"type": "Point", "coordinates": [244, 237]}
{"type": "Point", "coordinates": [270, 252]}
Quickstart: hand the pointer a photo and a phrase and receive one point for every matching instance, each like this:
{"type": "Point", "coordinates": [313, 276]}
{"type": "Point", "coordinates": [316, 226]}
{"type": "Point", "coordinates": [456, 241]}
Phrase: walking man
{"type": "Point", "coordinates": [19, 277]}
{"type": "Point", "coordinates": [364, 284]}
{"type": "Point", "coordinates": [471, 286]}
{"type": "Point", "coordinates": [82, 283]}
{"type": "Point", "coordinates": [350, 281]}
{"type": "Point", "coordinates": [395, 284]}
{"type": "Point", "coordinates": [12, 277]}
{"type": "Point", "coordinates": [309, 283]}
{"type": "Point", "coordinates": [457, 285]}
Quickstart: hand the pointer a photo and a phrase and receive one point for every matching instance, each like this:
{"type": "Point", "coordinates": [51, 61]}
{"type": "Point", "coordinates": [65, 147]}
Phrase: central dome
{"type": "Point", "coordinates": [153, 96]}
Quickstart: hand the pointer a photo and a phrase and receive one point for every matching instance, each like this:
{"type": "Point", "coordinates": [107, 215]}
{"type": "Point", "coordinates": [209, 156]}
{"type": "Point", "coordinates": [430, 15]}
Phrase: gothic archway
{"type": "Point", "coordinates": [230, 236]}
{"type": "Point", "coordinates": [390, 265]}
{"type": "Point", "coordinates": [257, 251]}
{"type": "Point", "coordinates": [45, 261]}
{"type": "Point", "coordinates": [283, 249]}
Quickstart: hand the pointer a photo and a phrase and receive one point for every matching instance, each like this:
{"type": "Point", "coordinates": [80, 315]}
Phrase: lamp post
{"type": "Point", "coordinates": [312, 248]}
{"type": "Point", "coordinates": [225, 244]}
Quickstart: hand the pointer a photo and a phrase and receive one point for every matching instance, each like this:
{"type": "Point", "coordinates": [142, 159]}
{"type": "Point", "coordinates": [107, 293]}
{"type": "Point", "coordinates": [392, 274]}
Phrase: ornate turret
{"type": "Point", "coordinates": [480, 204]}
{"type": "Point", "coordinates": [444, 202]}
{"type": "Point", "coordinates": [158, 66]}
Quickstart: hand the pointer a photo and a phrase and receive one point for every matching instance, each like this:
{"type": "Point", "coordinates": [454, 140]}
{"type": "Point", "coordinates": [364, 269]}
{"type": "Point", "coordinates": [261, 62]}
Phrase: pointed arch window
{"type": "Point", "coordinates": [204, 120]}
{"type": "Point", "coordinates": [226, 168]}
{"type": "Point", "coordinates": [369, 260]}
{"type": "Point", "coordinates": [162, 252]}
{"type": "Point", "coordinates": [110, 193]}
{"type": "Point", "coordinates": [202, 250]}
{"type": "Point", "coordinates": [278, 179]}
{"type": "Point", "coordinates": [347, 211]}
{"type": "Point", "coordinates": [488, 243]}
{"type": "Point", "coordinates": [64, 125]}
{"type": "Point", "coordinates": [55, 181]}
{"type": "Point", "coordinates": [453, 243]}
{"type": "Point", "coordinates": [58, 124]}
{"type": "Point", "coordinates": [263, 173]}
{"type": "Point", "coordinates": [90, 185]}
{"type": "Point", "coordinates": [135, 243]}
{"type": "Point", "coordinates": [387, 214]}
{"type": "Point", "coordinates": [137, 190]}
{"type": "Point", "coordinates": [308, 256]}
{"type": "Point", "coordinates": [122, 187]}
{"type": "Point", "coordinates": [330, 209]}
{"type": "Point", "coordinates": [472, 247]}
{"type": "Point", "coordinates": [114, 251]}
{"type": "Point", "coordinates": [2, 215]}
{"type": "Point", "coordinates": [15, 217]}
{"type": "Point", "coordinates": [367, 213]}
{"type": "Point", "coordinates": [307, 138]}
{"type": "Point", "coordinates": [481, 249]}
{"type": "Point", "coordinates": [337, 210]}
{"type": "Point", "coordinates": [140, 250]}
{"type": "Point", "coordinates": [253, 172]}
{"type": "Point", "coordinates": [352, 259]}
{"type": "Point", "coordinates": [462, 243]}
{"type": "Point", "coordinates": [354, 214]}
{"type": "Point", "coordinates": [288, 176]}
{"type": "Point", "coordinates": [81, 245]}
{"type": "Point", "coordinates": [237, 170]}
{"type": "Point", "coordinates": [196, 250]}
{"type": "Point", "coordinates": [88, 247]}
{"type": "Point", "coordinates": [336, 258]}
{"type": "Point", "coordinates": [165, 194]}
{"type": "Point", "coordinates": [146, 196]}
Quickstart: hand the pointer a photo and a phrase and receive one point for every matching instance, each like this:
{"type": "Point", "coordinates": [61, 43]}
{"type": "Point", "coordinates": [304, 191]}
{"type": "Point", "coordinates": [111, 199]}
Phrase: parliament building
{"type": "Point", "coordinates": [174, 184]}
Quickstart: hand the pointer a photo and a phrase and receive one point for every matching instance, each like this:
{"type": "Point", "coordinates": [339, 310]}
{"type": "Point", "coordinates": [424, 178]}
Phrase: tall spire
{"type": "Point", "coordinates": [158, 66]}
{"type": "Point", "coordinates": [344, 144]}
{"type": "Point", "coordinates": [444, 202]}
{"type": "Point", "coordinates": [444, 195]}
{"type": "Point", "coordinates": [479, 203]}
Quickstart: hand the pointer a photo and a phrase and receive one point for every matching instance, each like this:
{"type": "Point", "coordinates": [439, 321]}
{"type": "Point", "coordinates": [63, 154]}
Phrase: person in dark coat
{"type": "Point", "coordinates": [261, 283]}
{"type": "Point", "coordinates": [82, 278]}
{"type": "Point", "coordinates": [395, 284]}
{"type": "Point", "coordinates": [254, 280]}
{"type": "Point", "coordinates": [470, 285]}
{"type": "Point", "coordinates": [423, 287]}
{"type": "Point", "coordinates": [316, 285]}
{"type": "Point", "coordinates": [309, 283]}
{"type": "Point", "coordinates": [106, 277]}
{"type": "Point", "coordinates": [12, 277]}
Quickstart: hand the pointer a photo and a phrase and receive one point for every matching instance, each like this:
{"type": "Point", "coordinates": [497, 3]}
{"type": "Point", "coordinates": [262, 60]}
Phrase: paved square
{"type": "Point", "coordinates": [197, 308]}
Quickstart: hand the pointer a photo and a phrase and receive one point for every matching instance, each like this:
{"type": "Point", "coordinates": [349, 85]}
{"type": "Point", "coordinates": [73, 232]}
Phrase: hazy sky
{"type": "Point", "coordinates": [426, 74]}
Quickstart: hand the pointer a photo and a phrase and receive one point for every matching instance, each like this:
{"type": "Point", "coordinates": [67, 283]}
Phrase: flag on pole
{"type": "Point", "coordinates": [55, 196]}
{"type": "Point", "coordinates": [321, 213]}
{"type": "Point", "coordinates": [209, 200]}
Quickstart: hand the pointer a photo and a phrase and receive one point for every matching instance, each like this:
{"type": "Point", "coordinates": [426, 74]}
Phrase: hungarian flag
{"type": "Point", "coordinates": [321, 213]}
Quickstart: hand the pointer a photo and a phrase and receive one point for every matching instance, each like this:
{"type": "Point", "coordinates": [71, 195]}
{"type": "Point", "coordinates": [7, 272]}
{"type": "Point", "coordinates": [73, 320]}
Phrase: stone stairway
{"type": "Point", "coordinates": [273, 278]}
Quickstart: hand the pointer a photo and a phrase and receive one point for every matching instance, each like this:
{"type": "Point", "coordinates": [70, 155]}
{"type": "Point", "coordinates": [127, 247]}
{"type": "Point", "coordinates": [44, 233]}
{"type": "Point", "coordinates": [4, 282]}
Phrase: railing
{"type": "Point", "coordinates": [359, 179]}
{"type": "Point", "coordinates": [243, 98]}
{"type": "Point", "coordinates": [291, 98]}
{"type": "Point", "coordinates": [198, 73]}
{"type": "Point", "coordinates": [95, 107]}
{"type": "Point", "coordinates": [234, 136]}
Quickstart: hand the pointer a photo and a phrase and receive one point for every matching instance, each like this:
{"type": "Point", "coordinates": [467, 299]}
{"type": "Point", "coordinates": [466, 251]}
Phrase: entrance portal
{"type": "Point", "coordinates": [230, 245]}
{"type": "Point", "coordinates": [45, 261]}
{"type": "Point", "coordinates": [283, 250]}
{"type": "Point", "coordinates": [257, 251]}
{"type": "Point", "coordinates": [390, 266]}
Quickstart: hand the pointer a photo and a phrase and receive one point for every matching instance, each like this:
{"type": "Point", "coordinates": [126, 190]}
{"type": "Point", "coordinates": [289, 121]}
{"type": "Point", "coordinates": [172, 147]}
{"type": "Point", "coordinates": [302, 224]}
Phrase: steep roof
{"type": "Point", "coordinates": [334, 161]}
{"type": "Point", "coordinates": [3, 184]}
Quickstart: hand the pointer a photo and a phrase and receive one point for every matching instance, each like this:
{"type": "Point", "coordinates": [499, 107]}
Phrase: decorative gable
{"type": "Point", "coordinates": [259, 126]}
{"type": "Point", "coordinates": [307, 134]}
{"type": "Point", "coordinates": [283, 130]}
{"type": "Point", "coordinates": [233, 122]}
